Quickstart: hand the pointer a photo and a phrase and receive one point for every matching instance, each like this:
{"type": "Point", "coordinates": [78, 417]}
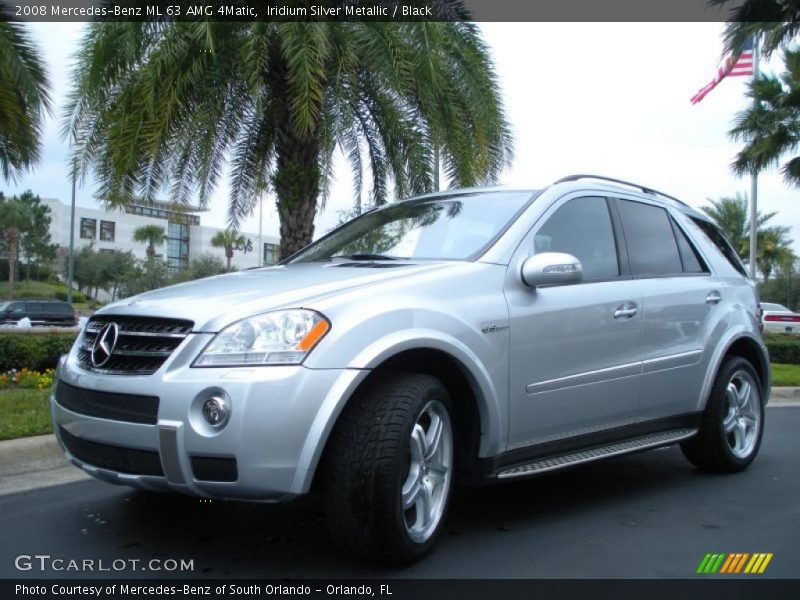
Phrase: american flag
{"type": "Point", "coordinates": [731, 66]}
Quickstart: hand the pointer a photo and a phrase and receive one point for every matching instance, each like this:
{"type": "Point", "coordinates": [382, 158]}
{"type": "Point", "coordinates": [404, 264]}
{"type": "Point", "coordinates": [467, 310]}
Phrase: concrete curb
{"type": "Point", "coordinates": [784, 393]}
{"type": "Point", "coordinates": [33, 463]}
{"type": "Point", "coordinates": [26, 455]}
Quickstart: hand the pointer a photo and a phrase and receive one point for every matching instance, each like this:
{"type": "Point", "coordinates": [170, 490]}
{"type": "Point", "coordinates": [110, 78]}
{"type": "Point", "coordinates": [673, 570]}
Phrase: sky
{"type": "Point", "coordinates": [601, 98]}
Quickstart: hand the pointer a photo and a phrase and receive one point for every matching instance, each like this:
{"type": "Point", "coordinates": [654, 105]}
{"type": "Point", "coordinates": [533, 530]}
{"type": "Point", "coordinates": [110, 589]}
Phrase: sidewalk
{"type": "Point", "coordinates": [36, 462]}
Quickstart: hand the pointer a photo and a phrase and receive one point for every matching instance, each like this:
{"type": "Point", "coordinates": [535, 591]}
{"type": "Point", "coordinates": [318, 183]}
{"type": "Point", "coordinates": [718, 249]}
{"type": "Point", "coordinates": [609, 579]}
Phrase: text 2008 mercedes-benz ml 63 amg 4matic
{"type": "Point", "coordinates": [472, 335]}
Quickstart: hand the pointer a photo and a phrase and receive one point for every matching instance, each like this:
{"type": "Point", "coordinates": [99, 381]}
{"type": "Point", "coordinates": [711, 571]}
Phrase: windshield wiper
{"type": "Point", "coordinates": [366, 257]}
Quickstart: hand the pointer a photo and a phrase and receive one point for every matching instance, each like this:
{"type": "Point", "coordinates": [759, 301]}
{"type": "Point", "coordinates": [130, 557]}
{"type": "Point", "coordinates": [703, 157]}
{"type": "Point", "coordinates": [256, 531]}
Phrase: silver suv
{"type": "Point", "coordinates": [474, 335]}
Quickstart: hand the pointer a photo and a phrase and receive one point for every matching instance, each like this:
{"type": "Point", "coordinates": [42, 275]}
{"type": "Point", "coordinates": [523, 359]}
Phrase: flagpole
{"type": "Point", "coordinates": [754, 184]}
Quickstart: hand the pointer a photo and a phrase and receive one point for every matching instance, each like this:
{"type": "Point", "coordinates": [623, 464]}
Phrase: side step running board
{"type": "Point", "coordinates": [551, 463]}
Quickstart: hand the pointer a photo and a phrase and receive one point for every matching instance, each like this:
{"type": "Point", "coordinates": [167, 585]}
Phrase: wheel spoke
{"type": "Point", "coordinates": [730, 422]}
{"type": "Point", "coordinates": [732, 395]}
{"type": "Point", "coordinates": [749, 420]}
{"type": "Point", "coordinates": [437, 474]}
{"type": "Point", "coordinates": [417, 444]}
{"type": "Point", "coordinates": [424, 503]}
{"type": "Point", "coordinates": [433, 440]}
{"type": "Point", "coordinates": [739, 435]}
{"type": "Point", "coordinates": [411, 491]}
{"type": "Point", "coordinates": [744, 394]}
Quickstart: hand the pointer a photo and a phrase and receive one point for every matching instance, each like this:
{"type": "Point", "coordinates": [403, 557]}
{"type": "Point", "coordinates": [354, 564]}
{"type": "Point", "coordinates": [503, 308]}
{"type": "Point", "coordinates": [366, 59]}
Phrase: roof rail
{"type": "Point", "coordinates": [643, 188]}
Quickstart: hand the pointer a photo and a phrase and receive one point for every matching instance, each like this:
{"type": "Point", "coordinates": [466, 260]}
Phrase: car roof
{"type": "Point", "coordinates": [574, 182]}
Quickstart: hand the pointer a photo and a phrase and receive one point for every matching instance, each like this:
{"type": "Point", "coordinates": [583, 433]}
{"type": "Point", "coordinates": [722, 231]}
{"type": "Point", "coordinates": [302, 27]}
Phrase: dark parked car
{"type": "Point", "coordinates": [40, 312]}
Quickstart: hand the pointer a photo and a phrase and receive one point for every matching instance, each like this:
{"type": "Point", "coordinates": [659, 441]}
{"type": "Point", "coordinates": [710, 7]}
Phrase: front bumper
{"type": "Point", "coordinates": [280, 418]}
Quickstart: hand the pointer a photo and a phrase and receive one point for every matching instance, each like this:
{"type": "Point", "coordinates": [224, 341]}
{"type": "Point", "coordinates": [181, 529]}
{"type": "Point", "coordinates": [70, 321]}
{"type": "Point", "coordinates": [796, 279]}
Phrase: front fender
{"type": "Point", "coordinates": [493, 424]}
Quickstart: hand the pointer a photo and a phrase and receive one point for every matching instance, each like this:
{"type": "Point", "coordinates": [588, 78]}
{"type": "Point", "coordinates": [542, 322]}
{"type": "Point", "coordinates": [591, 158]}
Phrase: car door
{"type": "Point", "coordinates": [681, 307]}
{"type": "Point", "coordinates": [575, 361]}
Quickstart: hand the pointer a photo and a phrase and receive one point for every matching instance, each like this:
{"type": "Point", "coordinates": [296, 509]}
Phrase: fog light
{"type": "Point", "coordinates": [216, 411]}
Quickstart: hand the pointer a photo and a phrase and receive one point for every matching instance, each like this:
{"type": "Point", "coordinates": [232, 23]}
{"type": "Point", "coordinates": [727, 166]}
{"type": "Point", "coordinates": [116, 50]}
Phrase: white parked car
{"type": "Point", "coordinates": [776, 318]}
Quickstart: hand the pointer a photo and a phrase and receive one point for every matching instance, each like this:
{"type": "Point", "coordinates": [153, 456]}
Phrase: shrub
{"type": "Point", "coordinates": [783, 348]}
{"type": "Point", "coordinates": [76, 296]}
{"type": "Point", "coordinates": [33, 350]}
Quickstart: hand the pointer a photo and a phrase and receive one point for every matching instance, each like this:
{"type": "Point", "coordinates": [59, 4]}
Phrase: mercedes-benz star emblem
{"type": "Point", "coordinates": [104, 344]}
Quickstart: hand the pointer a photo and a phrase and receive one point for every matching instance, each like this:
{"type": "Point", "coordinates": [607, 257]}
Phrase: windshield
{"type": "Point", "coordinates": [450, 228]}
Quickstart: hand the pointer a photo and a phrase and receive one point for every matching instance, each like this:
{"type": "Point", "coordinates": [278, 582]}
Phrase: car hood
{"type": "Point", "coordinates": [214, 302]}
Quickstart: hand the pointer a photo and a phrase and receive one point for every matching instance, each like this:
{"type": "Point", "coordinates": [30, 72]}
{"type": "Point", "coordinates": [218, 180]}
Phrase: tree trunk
{"type": "Point", "coordinates": [151, 250]}
{"type": "Point", "coordinates": [12, 235]}
{"type": "Point", "coordinates": [297, 174]}
{"type": "Point", "coordinates": [229, 257]}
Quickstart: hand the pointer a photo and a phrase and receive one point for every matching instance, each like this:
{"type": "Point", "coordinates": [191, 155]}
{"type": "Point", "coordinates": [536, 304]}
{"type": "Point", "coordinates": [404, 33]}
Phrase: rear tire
{"type": "Point", "coordinates": [388, 468]}
{"type": "Point", "coordinates": [733, 422]}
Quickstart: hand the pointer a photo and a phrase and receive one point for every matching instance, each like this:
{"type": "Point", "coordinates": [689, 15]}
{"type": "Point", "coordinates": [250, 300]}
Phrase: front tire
{"type": "Point", "coordinates": [388, 468]}
{"type": "Point", "coordinates": [733, 422]}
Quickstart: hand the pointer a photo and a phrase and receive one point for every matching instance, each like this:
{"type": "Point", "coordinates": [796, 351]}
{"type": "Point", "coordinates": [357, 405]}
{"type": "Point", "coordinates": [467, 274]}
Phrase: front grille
{"type": "Point", "coordinates": [131, 408]}
{"type": "Point", "coordinates": [213, 468]}
{"type": "Point", "coordinates": [143, 343]}
{"type": "Point", "coordinates": [114, 458]}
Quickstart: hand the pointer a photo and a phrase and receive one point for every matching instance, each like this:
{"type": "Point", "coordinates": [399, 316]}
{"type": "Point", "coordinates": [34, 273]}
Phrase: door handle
{"type": "Point", "coordinates": [713, 297]}
{"type": "Point", "coordinates": [625, 311]}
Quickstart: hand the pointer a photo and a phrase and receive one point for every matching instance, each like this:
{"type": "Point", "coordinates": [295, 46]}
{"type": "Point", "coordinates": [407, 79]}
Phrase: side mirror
{"type": "Point", "coordinates": [551, 268]}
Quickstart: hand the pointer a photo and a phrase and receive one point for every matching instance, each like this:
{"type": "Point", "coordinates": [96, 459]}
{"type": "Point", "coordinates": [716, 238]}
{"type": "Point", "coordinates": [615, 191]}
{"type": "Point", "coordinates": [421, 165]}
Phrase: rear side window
{"type": "Point", "coordinates": [57, 308]}
{"type": "Point", "coordinates": [722, 244]}
{"type": "Point", "coordinates": [692, 263]}
{"type": "Point", "coordinates": [652, 248]}
{"type": "Point", "coordinates": [582, 227]}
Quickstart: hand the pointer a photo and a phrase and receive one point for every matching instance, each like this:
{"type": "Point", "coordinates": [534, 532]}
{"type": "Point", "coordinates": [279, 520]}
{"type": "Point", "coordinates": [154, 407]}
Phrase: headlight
{"type": "Point", "coordinates": [283, 337]}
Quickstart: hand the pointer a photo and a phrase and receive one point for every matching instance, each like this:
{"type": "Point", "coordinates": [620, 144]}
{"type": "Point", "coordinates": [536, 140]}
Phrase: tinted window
{"type": "Point", "coordinates": [652, 249]}
{"type": "Point", "coordinates": [721, 242]}
{"type": "Point", "coordinates": [57, 308]}
{"type": "Point", "coordinates": [582, 227]}
{"type": "Point", "coordinates": [34, 307]}
{"type": "Point", "coordinates": [689, 257]}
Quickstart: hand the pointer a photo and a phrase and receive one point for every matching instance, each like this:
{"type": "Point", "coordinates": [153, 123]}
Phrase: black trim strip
{"type": "Point", "coordinates": [130, 408]}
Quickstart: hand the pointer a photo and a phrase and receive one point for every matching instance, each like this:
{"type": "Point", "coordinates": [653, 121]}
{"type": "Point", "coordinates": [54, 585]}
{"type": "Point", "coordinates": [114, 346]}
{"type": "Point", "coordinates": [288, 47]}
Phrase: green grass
{"type": "Point", "coordinates": [33, 289]}
{"type": "Point", "coordinates": [25, 413]}
{"type": "Point", "coordinates": [785, 375]}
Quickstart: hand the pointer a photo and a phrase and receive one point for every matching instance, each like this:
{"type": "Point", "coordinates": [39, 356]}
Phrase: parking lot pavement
{"type": "Point", "coordinates": [646, 515]}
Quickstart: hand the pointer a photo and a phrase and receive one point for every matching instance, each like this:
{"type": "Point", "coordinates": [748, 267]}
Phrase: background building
{"type": "Point", "coordinates": [186, 238]}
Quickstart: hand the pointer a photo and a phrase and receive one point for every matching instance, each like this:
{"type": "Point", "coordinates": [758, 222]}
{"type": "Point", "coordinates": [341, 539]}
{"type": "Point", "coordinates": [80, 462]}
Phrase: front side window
{"type": "Point", "coordinates": [88, 228]}
{"type": "Point", "coordinates": [582, 227]}
{"type": "Point", "coordinates": [652, 249]}
{"type": "Point", "coordinates": [450, 228]}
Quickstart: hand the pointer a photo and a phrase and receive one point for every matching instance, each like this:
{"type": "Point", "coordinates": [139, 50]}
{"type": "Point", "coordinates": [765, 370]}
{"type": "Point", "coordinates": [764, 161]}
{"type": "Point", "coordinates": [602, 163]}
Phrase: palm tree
{"type": "Point", "coordinates": [770, 126]}
{"type": "Point", "coordinates": [15, 218]}
{"type": "Point", "coordinates": [152, 235]}
{"type": "Point", "coordinates": [774, 250]}
{"type": "Point", "coordinates": [230, 240]}
{"type": "Point", "coordinates": [24, 98]}
{"type": "Point", "coordinates": [773, 246]}
{"type": "Point", "coordinates": [164, 103]}
{"type": "Point", "coordinates": [775, 22]}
